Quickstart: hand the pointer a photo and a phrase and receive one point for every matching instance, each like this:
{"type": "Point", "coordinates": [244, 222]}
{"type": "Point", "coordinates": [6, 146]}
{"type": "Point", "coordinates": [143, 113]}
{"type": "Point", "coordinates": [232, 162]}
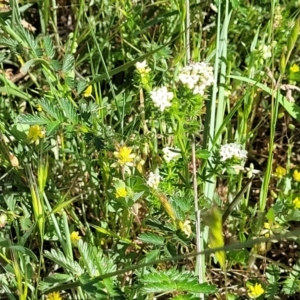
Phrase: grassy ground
{"type": "Point", "coordinates": [136, 134]}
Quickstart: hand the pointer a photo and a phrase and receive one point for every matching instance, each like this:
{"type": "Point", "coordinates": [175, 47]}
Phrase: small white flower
{"type": "Point", "coordinates": [142, 67]}
{"type": "Point", "coordinates": [170, 154]}
{"type": "Point", "coordinates": [161, 98]}
{"type": "Point", "coordinates": [197, 77]}
{"type": "Point", "coordinates": [266, 51]}
{"type": "Point", "coordinates": [153, 180]}
{"type": "Point", "coordinates": [232, 151]}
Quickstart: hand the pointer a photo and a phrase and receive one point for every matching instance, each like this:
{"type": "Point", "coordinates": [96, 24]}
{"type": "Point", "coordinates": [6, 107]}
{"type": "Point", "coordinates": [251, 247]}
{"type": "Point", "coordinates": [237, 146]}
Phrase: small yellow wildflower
{"type": "Point", "coordinates": [54, 296]}
{"type": "Point", "coordinates": [296, 176]}
{"type": "Point", "coordinates": [39, 107]}
{"type": "Point", "coordinates": [296, 202]}
{"type": "Point", "coordinates": [88, 91]}
{"type": "Point", "coordinates": [254, 291]}
{"type": "Point", "coordinates": [75, 237]}
{"type": "Point", "coordinates": [294, 68]}
{"type": "Point", "coordinates": [280, 172]}
{"type": "Point", "coordinates": [121, 192]}
{"type": "Point", "coordinates": [35, 133]}
{"type": "Point", "coordinates": [124, 156]}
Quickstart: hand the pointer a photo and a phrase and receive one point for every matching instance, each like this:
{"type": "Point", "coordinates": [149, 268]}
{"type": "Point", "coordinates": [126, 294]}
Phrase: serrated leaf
{"type": "Point", "coordinates": [8, 42]}
{"type": "Point", "coordinates": [25, 223]}
{"type": "Point", "coordinates": [290, 286]}
{"type": "Point", "coordinates": [3, 56]}
{"type": "Point", "coordinates": [87, 257]}
{"type": "Point", "coordinates": [51, 109]}
{"type": "Point", "coordinates": [28, 37]}
{"type": "Point", "coordinates": [152, 238]}
{"type": "Point", "coordinates": [272, 273]}
{"type": "Point", "coordinates": [56, 65]}
{"type": "Point", "coordinates": [173, 280]}
{"type": "Point", "coordinates": [33, 119]}
{"type": "Point", "coordinates": [272, 290]}
{"type": "Point", "coordinates": [68, 63]}
{"type": "Point", "coordinates": [70, 82]}
{"type": "Point", "coordinates": [52, 127]}
{"type": "Point", "coordinates": [69, 110]}
{"type": "Point", "coordinates": [151, 256]}
{"type": "Point", "coordinates": [48, 47]}
{"type": "Point", "coordinates": [81, 86]}
{"type": "Point", "coordinates": [58, 257]}
{"type": "Point", "coordinates": [39, 52]}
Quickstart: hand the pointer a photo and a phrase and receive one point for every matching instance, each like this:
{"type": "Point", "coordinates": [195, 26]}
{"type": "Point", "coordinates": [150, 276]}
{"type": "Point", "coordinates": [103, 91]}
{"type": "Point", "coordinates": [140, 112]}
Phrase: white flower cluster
{"type": "Point", "coordinates": [153, 180]}
{"type": "Point", "coordinates": [170, 154]}
{"type": "Point", "coordinates": [234, 151]}
{"type": "Point", "coordinates": [197, 77]}
{"type": "Point", "coordinates": [161, 98]}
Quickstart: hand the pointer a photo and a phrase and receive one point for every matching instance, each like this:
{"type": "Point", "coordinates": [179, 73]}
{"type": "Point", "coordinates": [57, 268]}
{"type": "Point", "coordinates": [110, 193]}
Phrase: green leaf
{"type": "Point", "coordinates": [52, 126]}
{"type": "Point", "coordinates": [68, 63]}
{"type": "Point", "coordinates": [33, 119]}
{"type": "Point", "coordinates": [55, 279]}
{"type": "Point", "coordinates": [185, 297]}
{"type": "Point", "coordinates": [173, 280]}
{"type": "Point", "coordinates": [81, 86]}
{"type": "Point", "coordinates": [291, 285]}
{"type": "Point", "coordinates": [70, 82]}
{"type": "Point", "coordinates": [11, 43]}
{"type": "Point", "coordinates": [11, 91]}
{"type": "Point", "coordinates": [87, 257]}
{"type": "Point", "coordinates": [69, 265]}
{"type": "Point", "coordinates": [25, 223]}
{"type": "Point", "coordinates": [204, 154]}
{"type": "Point", "coordinates": [69, 110]}
{"type": "Point", "coordinates": [4, 243]}
{"type": "Point", "coordinates": [51, 109]}
{"type": "Point", "coordinates": [48, 47]}
{"type": "Point", "coordinates": [152, 238]}
{"type": "Point", "coordinates": [272, 273]}
{"type": "Point", "coordinates": [56, 65]}
{"type": "Point", "coordinates": [3, 56]}
{"type": "Point", "coordinates": [32, 62]}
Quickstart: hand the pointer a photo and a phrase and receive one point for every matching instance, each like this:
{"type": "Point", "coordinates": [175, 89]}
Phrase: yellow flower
{"type": "Point", "coordinates": [294, 68]}
{"type": "Point", "coordinates": [121, 192]}
{"type": "Point", "coordinates": [296, 202]}
{"type": "Point", "coordinates": [124, 156]}
{"type": "Point", "coordinates": [35, 133]}
{"type": "Point", "coordinates": [88, 91]}
{"type": "Point", "coordinates": [75, 237]}
{"type": "Point", "coordinates": [54, 296]}
{"type": "Point", "coordinates": [280, 172]}
{"type": "Point", "coordinates": [296, 176]}
{"type": "Point", "coordinates": [254, 291]}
